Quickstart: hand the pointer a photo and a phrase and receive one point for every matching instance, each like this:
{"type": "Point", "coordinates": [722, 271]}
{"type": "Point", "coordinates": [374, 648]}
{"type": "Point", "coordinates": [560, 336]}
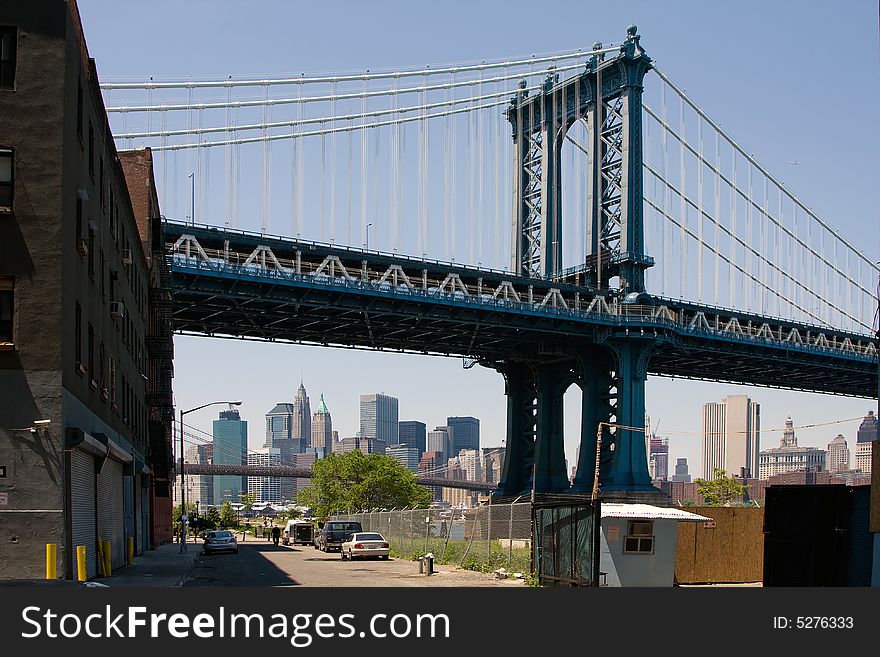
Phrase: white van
{"type": "Point", "coordinates": [298, 532]}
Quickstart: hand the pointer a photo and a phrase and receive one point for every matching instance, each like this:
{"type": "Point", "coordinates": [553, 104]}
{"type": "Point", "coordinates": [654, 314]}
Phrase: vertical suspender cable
{"type": "Point", "coordinates": [739, 283]}
{"type": "Point", "coordinates": [423, 174]}
{"type": "Point", "coordinates": [323, 187]}
{"type": "Point", "coordinates": [683, 262]}
{"type": "Point", "coordinates": [665, 242]}
{"type": "Point", "coordinates": [700, 167]}
{"type": "Point", "coordinates": [454, 206]}
{"type": "Point", "coordinates": [300, 176]}
{"type": "Point", "coordinates": [364, 134]}
{"type": "Point", "coordinates": [227, 157]}
{"type": "Point", "coordinates": [471, 225]}
{"type": "Point", "coordinates": [446, 168]}
{"type": "Point", "coordinates": [498, 258]}
{"type": "Point", "coordinates": [717, 250]}
{"type": "Point", "coordinates": [350, 178]}
{"type": "Point", "coordinates": [333, 165]}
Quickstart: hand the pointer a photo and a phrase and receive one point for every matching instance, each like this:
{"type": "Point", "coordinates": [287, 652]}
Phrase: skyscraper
{"type": "Point", "coordinates": [408, 456]}
{"type": "Point", "coordinates": [379, 418]}
{"type": "Point", "coordinates": [681, 471]}
{"type": "Point", "coordinates": [279, 435]}
{"type": "Point", "coordinates": [413, 434]}
{"type": "Point", "coordinates": [440, 442]}
{"type": "Point", "coordinates": [465, 433]}
{"type": "Point", "coordinates": [837, 456]}
{"type": "Point", "coordinates": [731, 436]}
{"type": "Point", "coordinates": [301, 429]}
{"type": "Point", "coordinates": [265, 489]}
{"type": "Point", "coordinates": [322, 428]}
{"type": "Point", "coordinates": [658, 459]}
{"type": "Point", "coordinates": [789, 456]}
{"type": "Point", "coordinates": [230, 448]}
{"type": "Point", "coordinates": [867, 436]}
{"type": "Point", "coordinates": [469, 461]}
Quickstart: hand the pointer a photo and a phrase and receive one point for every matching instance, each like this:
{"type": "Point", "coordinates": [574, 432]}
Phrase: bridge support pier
{"type": "Point", "coordinates": [612, 380]}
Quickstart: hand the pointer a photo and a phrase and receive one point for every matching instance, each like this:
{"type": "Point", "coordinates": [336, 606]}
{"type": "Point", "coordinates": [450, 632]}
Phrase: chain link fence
{"type": "Point", "coordinates": [484, 538]}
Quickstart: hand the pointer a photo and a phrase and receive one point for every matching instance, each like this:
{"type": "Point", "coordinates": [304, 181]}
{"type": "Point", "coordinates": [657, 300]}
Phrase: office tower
{"type": "Point", "coordinates": [658, 461]}
{"type": "Point", "coordinates": [279, 434]}
{"type": "Point", "coordinates": [379, 418]}
{"type": "Point", "coordinates": [868, 429]}
{"type": "Point", "coordinates": [681, 471]}
{"type": "Point", "coordinates": [265, 489]}
{"type": "Point", "coordinates": [305, 460]}
{"type": "Point", "coordinates": [867, 436]}
{"type": "Point", "coordinates": [322, 428]}
{"type": "Point", "coordinates": [429, 466]}
{"type": "Point", "coordinates": [789, 456]}
{"type": "Point", "coordinates": [731, 436]}
{"type": "Point", "coordinates": [465, 433]}
{"type": "Point", "coordinates": [493, 464]}
{"type": "Point", "coordinates": [365, 445]}
{"type": "Point", "coordinates": [456, 497]}
{"type": "Point", "coordinates": [412, 433]}
{"type": "Point", "coordinates": [469, 462]}
{"type": "Point", "coordinates": [301, 430]}
{"type": "Point", "coordinates": [439, 441]}
{"type": "Point", "coordinates": [408, 456]}
{"type": "Point", "coordinates": [230, 448]}
{"type": "Point", "coordinates": [837, 454]}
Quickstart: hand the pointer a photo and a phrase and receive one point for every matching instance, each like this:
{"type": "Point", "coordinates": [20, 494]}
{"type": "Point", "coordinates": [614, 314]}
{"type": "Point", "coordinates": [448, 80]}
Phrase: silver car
{"type": "Point", "coordinates": [220, 541]}
{"type": "Point", "coordinates": [365, 544]}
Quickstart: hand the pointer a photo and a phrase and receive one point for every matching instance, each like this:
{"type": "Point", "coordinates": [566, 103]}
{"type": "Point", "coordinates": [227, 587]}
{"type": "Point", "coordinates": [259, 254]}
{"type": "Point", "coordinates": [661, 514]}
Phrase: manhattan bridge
{"type": "Point", "coordinates": [569, 219]}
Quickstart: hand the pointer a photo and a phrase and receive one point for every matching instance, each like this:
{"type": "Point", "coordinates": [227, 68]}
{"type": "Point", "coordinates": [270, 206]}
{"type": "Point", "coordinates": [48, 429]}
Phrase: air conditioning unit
{"type": "Point", "coordinates": [117, 309]}
{"type": "Point", "coordinates": [126, 256]}
{"type": "Point", "coordinates": [82, 247]}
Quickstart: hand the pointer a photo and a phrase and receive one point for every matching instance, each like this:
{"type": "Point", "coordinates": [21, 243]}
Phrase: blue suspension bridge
{"type": "Point", "coordinates": [634, 237]}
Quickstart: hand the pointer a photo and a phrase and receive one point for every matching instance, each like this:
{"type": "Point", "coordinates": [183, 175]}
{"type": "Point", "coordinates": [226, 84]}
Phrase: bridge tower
{"type": "Point", "coordinates": [607, 97]}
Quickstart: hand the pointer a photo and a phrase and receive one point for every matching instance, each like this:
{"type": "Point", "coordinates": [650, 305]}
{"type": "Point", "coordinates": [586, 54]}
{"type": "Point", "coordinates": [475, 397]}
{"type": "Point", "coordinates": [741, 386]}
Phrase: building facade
{"type": "Point", "coordinates": [264, 489]}
{"type": "Point", "coordinates": [440, 441]}
{"type": "Point", "coordinates": [681, 471]}
{"type": "Point", "coordinates": [85, 440]}
{"type": "Point", "coordinates": [837, 456]}
{"type": "Point", "coordinates": [789, 456]}
{"type": "Point", "coordinates": [493, 464]}
{"type": "Point", "coordinates": [867, 436]}
{"type": "Point", "coordinates": [408, 456]}
{"type": "Point", "coordinates": [379, 418]}
{"type": "Point", "coordinates": [412, 433]}
{"type": "Point", "coordinates": [470, 463]}
{"type": "Point", "coordinates": [465, 433]}
{"type": "Point", "coordinates": [301, 427]}
{"type": "Point", "coordinates": [731, 436]}
{"type": "Point", "coordinates": [322, 428]}
{"type": "Point", "coordinates": [658, 458]}
{"type": "Point", "coordinates": [230, 448]}
{"type": "Point", "coordinates": [279, 434]}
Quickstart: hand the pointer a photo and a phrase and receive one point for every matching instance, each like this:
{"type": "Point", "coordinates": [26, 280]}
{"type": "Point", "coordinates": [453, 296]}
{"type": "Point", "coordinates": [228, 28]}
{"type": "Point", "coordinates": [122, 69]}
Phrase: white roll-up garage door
{"type": "Point", "coordinates": [110, 514]}
{"type": "Point", "coordinates": [82, 509]}
{"type": "Point", "coordinates": [138, 513]}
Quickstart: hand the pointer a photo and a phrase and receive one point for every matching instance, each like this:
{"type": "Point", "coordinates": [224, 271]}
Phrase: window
{"type": "Point", "coordinates": [91, 150]}
{"type": "Point", "coordinates": [6, 308]}
{"type": "Point", "coordinates": [90, 347]}
{"type": "Point", "coordinates": [6, 179]}
{"type": "Point", "coordinates": [91, 253]}
{"type": "Point", "coordinates": [640, 539]}
{"type": "Point", "coordinates": [78, 334]}
{"type": "Point", "coordinates": [102, 355]}
{"type": "Point", "coordinates": [8, 39]}
{"type": "Point", "coordinates": [79, 110]}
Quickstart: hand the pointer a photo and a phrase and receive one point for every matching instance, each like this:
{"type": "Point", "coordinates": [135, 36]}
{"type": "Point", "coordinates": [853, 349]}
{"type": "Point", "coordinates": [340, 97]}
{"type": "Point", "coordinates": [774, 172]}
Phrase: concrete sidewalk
{"type": "Point", "coordinates": [163, 567]}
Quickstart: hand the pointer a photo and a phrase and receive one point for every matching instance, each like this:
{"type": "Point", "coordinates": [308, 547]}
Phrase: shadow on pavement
{"type": "Point", "coordinates": [250, 567]}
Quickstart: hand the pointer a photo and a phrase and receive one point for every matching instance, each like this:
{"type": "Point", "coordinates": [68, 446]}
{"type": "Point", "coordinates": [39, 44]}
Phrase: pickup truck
{"type": "Point", "coordinates": [334, 533]}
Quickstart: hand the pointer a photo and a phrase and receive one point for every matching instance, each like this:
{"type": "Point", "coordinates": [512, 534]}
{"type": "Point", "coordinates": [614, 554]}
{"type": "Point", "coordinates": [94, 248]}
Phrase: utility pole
{"type": "Point", "coordinates": [192, 215]}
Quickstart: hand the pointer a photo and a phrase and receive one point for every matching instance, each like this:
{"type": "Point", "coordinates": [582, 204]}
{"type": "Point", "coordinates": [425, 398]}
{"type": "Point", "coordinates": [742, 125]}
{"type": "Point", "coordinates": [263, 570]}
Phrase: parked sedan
{"type": "Point", "coordinates": [365, 544]}
{"type": "Point", "coordinates": [220, 541]}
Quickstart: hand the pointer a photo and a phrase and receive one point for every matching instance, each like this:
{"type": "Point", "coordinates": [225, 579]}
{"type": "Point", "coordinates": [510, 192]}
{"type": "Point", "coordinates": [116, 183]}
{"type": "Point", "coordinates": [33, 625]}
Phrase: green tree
{"type": "Point", "coordinates": [247, 501]}
{"type": "Point", "coordinates": [212, 518]}
{"type": "Point", "coordinates": [721, 490]}
{"type": "Point", "coordinates": [227, 515]}
{"type": "Point", "coordinates": [357, 481]}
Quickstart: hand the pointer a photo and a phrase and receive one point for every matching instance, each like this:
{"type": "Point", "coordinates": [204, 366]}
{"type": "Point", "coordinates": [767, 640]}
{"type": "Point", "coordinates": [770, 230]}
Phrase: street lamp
{"type": "Point", "coordinates": [182, 485]}
{"type": "Point", "coordinates": [367, 239]}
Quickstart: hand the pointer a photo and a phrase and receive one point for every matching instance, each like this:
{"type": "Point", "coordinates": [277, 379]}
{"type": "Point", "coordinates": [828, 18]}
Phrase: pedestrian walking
{"type": "Point", "coordinates": [276, 534]}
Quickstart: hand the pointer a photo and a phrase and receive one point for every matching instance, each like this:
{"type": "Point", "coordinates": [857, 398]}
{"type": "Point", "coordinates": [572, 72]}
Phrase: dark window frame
{"type": "Point", "coordinates": [7, 187]}
{"type": "Point", "coordinates": [8, 33]}
{"type": "Point", "coordinates": [7, 305]}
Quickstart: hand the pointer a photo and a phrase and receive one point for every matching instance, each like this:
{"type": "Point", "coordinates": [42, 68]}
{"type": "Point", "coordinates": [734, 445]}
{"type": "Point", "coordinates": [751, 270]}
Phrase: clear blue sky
{"type": "Point", "coordinates": [790, 81]}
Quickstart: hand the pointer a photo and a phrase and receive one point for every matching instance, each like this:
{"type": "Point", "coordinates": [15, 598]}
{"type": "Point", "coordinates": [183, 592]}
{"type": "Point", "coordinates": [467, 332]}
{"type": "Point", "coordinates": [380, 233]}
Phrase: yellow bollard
{"type": "Point", "coordinates": [51, 560]}
{"type": "Point", "coordinates": [130, 550]}
{"type": "Point", "coordinates": [107, 569]}
{"type": "Point", "coordinates": [81, 569]}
